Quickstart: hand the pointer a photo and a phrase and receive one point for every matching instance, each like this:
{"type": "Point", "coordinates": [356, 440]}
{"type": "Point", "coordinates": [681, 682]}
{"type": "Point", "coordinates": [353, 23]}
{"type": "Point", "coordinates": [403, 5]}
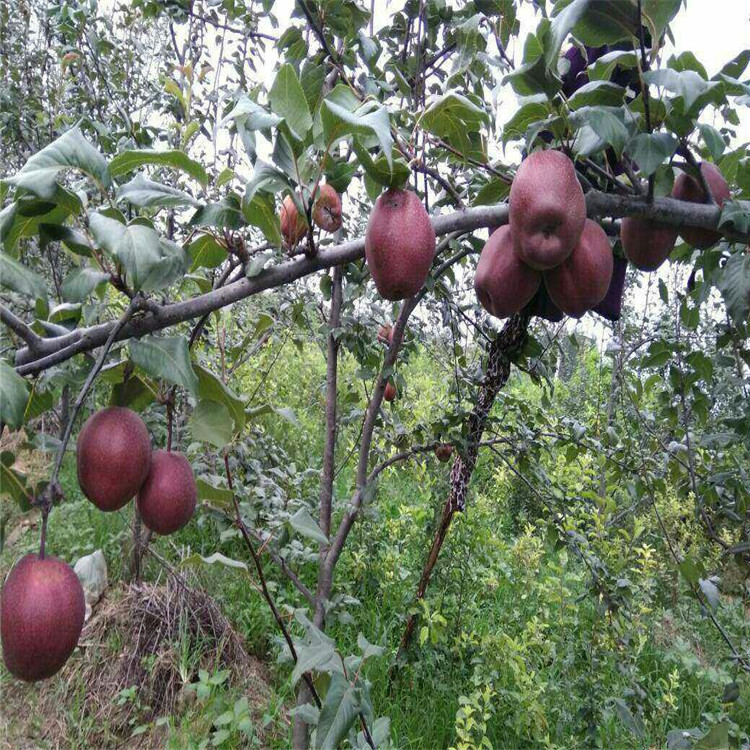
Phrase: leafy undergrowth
{"type": "Point", "coordinates": [153, 661]}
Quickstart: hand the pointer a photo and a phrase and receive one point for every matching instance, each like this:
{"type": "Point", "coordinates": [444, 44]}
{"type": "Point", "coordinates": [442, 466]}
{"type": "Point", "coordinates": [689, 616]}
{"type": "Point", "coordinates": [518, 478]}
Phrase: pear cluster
{"type": "Point", "coordinates": [326, 213]}
{"type": "Point", "coordinates": [647, 244]}
{"type": "Point", "coordinates": [42, 599]}
{"type": "Point", "coordinates": [115, 463]}
{"type": "Point", "coordinates": [548, 241]}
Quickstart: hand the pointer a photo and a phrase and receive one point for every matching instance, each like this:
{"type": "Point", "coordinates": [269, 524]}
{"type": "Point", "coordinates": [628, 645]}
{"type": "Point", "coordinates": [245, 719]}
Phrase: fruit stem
{"type": "Point", "coordinates": [169, 423]}
{"type": "Point", "coordinates": [43, 540]}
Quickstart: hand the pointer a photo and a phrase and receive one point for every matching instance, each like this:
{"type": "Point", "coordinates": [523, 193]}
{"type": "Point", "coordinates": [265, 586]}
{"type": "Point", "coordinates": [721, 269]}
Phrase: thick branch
{"type": "Point", "coordinates": [20, 328]}
{"type": "Point", "coordinates": [55, 350]}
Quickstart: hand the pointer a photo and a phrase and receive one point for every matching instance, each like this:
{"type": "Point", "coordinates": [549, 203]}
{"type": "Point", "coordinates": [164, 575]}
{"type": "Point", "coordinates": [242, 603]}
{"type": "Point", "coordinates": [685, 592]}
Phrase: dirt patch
{"type": "Point", "coordinates": [148, 640]}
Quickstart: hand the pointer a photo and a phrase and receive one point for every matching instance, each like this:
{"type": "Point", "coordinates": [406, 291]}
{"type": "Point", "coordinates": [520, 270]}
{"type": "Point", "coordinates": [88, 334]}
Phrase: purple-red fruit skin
{"type": "Point", "coordinates": [547, 209]}
{"type": "Point", "coordinates": [646, 244]}
{"type": "Point", "coordinates": [169, 495]}
{"type": "Point", "coordinates": [113, 456]}
{"type": "Point", "coordinates": [687, 188]}
{"type": "Point", "coordinates": [503, 282]}
{"type": "Point", "coordinates": [41, 617]}
{"type": "Point", "coordinates": [399, 244]}
{"type": "Point", "coordinates": [611, 306]}
{"type": "Point", "coordinates": [582, 280]}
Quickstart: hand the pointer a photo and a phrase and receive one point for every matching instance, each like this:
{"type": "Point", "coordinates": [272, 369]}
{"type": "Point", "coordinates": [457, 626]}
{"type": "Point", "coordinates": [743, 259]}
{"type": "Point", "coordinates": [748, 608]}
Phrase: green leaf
{"type": "Point", "coordinates": [734, 285]}
{"type": "Point", "coordinates": [396, 174]}
{"type": "Point", "coordinates": [525, 115]}
{"type": "Point", "coordinates": [82, 282]}
{"type": "Point", "coordinates": [211, 388]}
{"type": "Point", "coordinates": [533, 78]}
{"type": "Point", "coordinates": [252, 115]}
{"type": "Point", "coordinates": [370, 119]}
{"type": "Point", "coordinates": [603, 68]}
{"type": "Point", "coordinates": [223, 215]}
{"type": "Point", "coordinates": [713, 140]}
{"type": "Point", "coordinates": [14, 394]}
{"type": "Point", "coordinates": [649, 150]}
{"type": "Point", "coordinates": [13, 482]}
{"type": "Point", "coordinates": [691, 570]}
{"type": "Point", "coordinates": [135, 246]}
{"type": "Point", "coordinates": [70, 151]}
{"type": "Point", "coordinates": [16, 276]}
{"type": "Point", "coordinates": [304, 523]}
{"type": "Point", "coordinates": [129, 160]}
{"type": "Point", "coordinates": [217, 557]}
{"type": "Point", "coordinates": [75, 241]}
{"type": "Point", "coordinates": [605, 123]}
{"type": "Point", "coordinates": [368, 649]}
{"type": "Point", "coordinates": [288, 100]}
{"type": "Point", "coordinates": [261, 212]}
{"type": "Point", "coordinates": [207, 491]}
{"type": "Point", "coordinates": [688, 84]}
{"type": "Point", "coordinates": [266, 177]}
{"type": "Point", "coordinates": [717, 738]}
{"type": "Point", "coordinates": [167, 358]}
{"type": "Point", "coordinates": [631, 722]}
{"type": "Point", "coordinates": [339, 712]}
{"type": "Point", "coordinates": [171, 266]}
{"type": "Point", "coordinates": [211, 422]}
{"type": "Point", "coordinates": [562, 24]}
{"type": "Point", "coordinates": [493, 192]}
{"type": "Point", "coordinates": [145, 193]}
{"type": "Point", "coordinates": [594, 93]}
{"type": "Point", "coordinates": [736, 67]}
{"type": "Point", "coordinates": [206, 252]}
{"type": "Point", "coordinates": [308, 713]}
{"type": "Point", "coordinates": [314, 656]}
{"type": "Point", "coordinates": [607, 22]}
{"type": "Point", "coordinates": [454, 117]}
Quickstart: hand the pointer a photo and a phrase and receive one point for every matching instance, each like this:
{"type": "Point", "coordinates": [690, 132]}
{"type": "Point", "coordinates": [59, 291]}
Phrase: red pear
{"type": "Point", "coordinates": [581, 282]}
{"type": "Point", "coordinates": [546, 209]}
{"type": "Point", "coordinates": [167, 499]}
{"type": "Point", "coordinates": [327, 209]}
{"type": "Point", "coordinates": [611, 306]}
{"type": "Point", "coordinates": [399, 244]}
{"type": "Point", "coordinates": [687, 188]}
{"type": "Point", "coordinates": [390, 391]}
{"type": "Point", "coordinates": [41, 619]}
{"type": "Point", "coordinates": [293, 224]}
{"type": "Point", "coordinates": [113, 456]}
{"type": "Point", "coordinates": [443, 452]}
{"type": "Point", "coordinates": [385, 333]}
{"type": "Point", "coordinates": [503, 282]}
{"type": "Point", "coordinates": [646, 244]}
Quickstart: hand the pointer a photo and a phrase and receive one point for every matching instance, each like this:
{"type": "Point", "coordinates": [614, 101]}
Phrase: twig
{"type": "Point", "coordinates": [266, 593]}
{"type": "Point", "coordinates": [642, 67]}
{"type": "Point", "coordinates": [53, 489]}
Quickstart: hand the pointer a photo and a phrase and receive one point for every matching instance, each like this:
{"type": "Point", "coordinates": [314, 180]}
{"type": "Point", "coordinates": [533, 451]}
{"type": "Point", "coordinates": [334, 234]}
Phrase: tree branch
{"type": "Point", "coordinates": [52, 351]}
{"type": "Point", "coordinates": [20, 328]}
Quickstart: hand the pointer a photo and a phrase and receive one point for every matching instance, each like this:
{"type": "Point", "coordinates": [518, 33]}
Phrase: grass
{"type": "Point", "coordinates": [510, 612]}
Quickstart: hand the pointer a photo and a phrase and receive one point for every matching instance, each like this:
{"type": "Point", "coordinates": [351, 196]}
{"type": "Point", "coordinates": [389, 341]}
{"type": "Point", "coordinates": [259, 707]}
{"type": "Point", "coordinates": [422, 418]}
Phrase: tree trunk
{"type": "Point", "coordinates": [507, 343]}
